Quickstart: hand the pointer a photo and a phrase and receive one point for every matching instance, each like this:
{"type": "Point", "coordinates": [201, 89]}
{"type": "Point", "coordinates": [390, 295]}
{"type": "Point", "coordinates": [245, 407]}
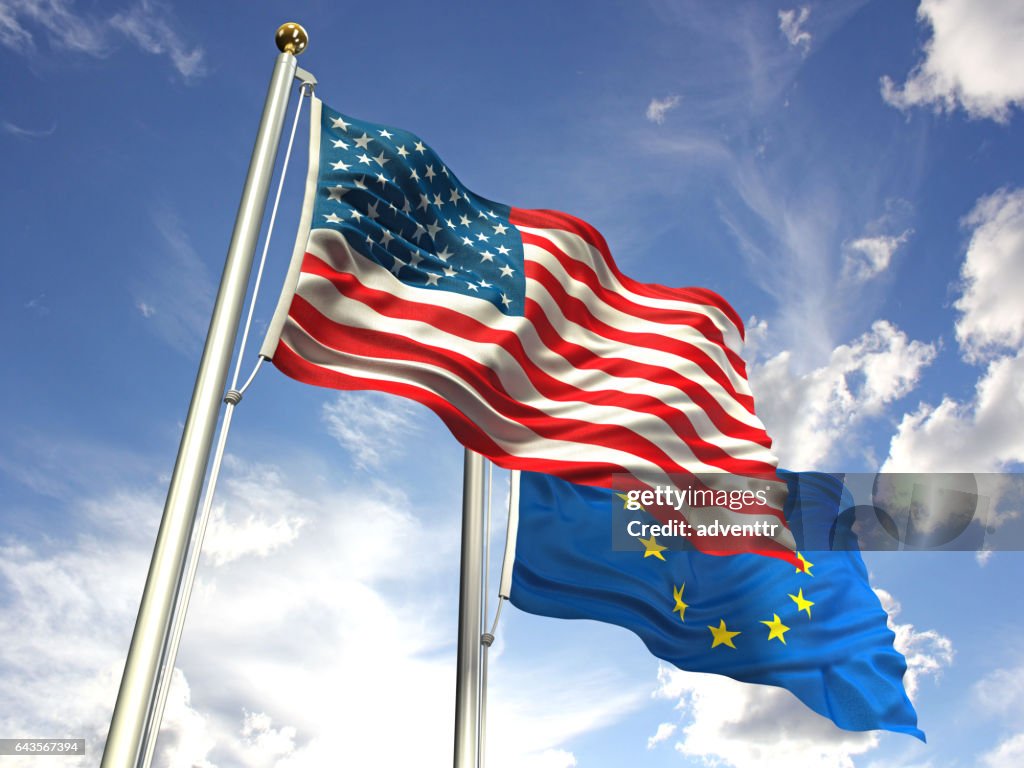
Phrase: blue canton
{"type": "Point", "coordinates": [400, 206]}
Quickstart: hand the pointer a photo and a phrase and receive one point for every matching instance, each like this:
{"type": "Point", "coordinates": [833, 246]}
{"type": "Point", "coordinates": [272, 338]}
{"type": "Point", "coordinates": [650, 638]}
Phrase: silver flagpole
{"type": "Point", "coordinates": [467, 676]}
{"type": "Point", "coordinates": [135, 696]}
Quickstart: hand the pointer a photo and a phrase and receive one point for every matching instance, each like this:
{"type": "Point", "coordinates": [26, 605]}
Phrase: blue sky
{"type": "Point", "coordinates": [850, 175]}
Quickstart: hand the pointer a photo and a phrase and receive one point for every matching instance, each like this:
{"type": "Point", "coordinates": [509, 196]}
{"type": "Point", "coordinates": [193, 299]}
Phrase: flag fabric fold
{"type": "Point", "coordinates": [515, 326]}
{"type": "Point", "coordinates": [819, 631]}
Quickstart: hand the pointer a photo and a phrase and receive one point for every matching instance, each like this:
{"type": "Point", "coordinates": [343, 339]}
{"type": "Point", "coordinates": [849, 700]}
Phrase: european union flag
{"type": "Point", "coordinates": [819, 631]}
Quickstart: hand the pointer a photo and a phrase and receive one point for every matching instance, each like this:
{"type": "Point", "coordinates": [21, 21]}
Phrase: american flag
{"type": "Point", "coordinates": [514, 326]}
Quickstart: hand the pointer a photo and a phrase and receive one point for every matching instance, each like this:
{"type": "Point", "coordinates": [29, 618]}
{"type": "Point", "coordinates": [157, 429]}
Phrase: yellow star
{"type": "Point", "coordinates": [776, 628]}
{"type": "Point", "coordinates": [680, 605]}
{"type": "Point", "coordinates": [802, 604]}
{"type": "Point", "coordinates": [805, 565]}
{"type": "Point", "coordinates": [653, 548]}
{"type": "Point", "coordinates": [721, 635]}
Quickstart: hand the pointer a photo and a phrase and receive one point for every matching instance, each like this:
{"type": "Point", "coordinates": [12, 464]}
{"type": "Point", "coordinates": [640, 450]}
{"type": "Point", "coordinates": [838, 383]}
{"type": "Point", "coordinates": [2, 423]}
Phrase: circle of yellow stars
{"type": "Point", "coordinates": [722, 635]}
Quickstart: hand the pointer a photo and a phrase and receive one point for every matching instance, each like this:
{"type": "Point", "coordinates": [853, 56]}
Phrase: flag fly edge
{"type": "Point", "coordinates": [301, 236]}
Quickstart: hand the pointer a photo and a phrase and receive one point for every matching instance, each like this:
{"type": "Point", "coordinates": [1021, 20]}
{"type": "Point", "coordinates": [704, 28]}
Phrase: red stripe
{"type": "Point", "coordinates": [542, 219]}
{"type": "Point", "coordinates": [473, 330]}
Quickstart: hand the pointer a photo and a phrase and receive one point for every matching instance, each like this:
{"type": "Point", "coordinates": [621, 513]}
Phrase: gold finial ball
{"type": "Point", "coordinates": [291, 38]}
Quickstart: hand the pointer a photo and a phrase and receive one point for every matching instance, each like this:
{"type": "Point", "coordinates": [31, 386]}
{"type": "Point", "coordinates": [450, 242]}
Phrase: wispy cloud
{"type": "Point", "coordinates": [972, 60]}
{"type": "Point", "coordinates": [791, 25]}
{"type": "Point", "coordinates": [28, 133]}
{"type": "Point", "coordinates": [658, 108]}
{"type": "Point", "coordinates": [148, 25]}
{"type": "Point", "coordinates": [371, 426]}
{"type": "Point", "coordinates": [178, 283]}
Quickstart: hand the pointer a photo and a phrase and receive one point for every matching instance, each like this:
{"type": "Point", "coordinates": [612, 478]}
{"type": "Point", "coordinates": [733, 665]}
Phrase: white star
{"type": "Point", "coordinates": [340, 166]}
{"type": "Point", "coordinates": [444, 254]}
{"type": "Point", "coordinates": [419, 147]}
{"type": "Point", "coordinates": [430, 173]}
{"type": "Point", "coordinates": [356, 214]}
{"type": "Point", "coordinates": [467, 241]}
{"type": "Point", "coordinates": [438, 201]}
{"type": "Point", "coordinates": [486, 256]}
{"type": "Point", "coordinates": [382, 179]}
{"type": "Point", "coordinates": [503, 250]}
{"type": "Point", "coordinates": [507, 271]}
{"type": "Point", "coordinates": [432, 279]}
{"type": "Point", "coordinates": [433, 229]}
{"type": "Point", "coordinates": [333, 218]}
{"type": "Point", "coordinates": [450, 223]}
{"type": "Point", "coordinates": [424, 202]}
{"type": "Point", "coordinates": [449, 272]}
{"type": "Point", "coordinates": [336, 193]}
{"type": "Point", "coordinates": [471, 286]}
{"type": "Point", "coordinates": [386, 238]}
{"type": "Point", "coordinates": [484, 284]}
{"type": "Point", "coordinates": [397, 266]}
{"type": "Point", "coordinates": [454, 198]}
{"type": "Point", "coordinates": [339, 144]}
{"type": "Point", "coordinates": [360, 182]}
{"type": "Point", "coordinates": [505, 300]}
{"type": "Point", "coordinates": [481, 215]}
{"type": "Point", "coordinates": [364, 142]}
{"type": "Point", "coordinates": [444, 170]}
{"type": "Point", "coordinates": [482, 237]}
{"type": "Point", "coordinates": [340, 123]}
{"type": "Point", "coordinates": [413, 175]}
{"type": "Point", "coordinates": [500, 229]}
{"type": "Point", "coordinates": [492, 214]}
{"type": "Point", "coordinates": [463, 221]}
{"type": "Point", "coordinates": [384, 134]}
{"type": "Point", "coordinates": [364, 158]}
{"type": "Point", "coordinates": [416, 259]}
{"type": "Point", "coordinates": [371, 211]}
{"type": "Point", "coordinates": [402, 151]}
{"type": "Point", "coordinates": [405, 206]}
{"type": "Point", "coordinates": [381, 160]}
{"type": "Point", "coordinates": [420, 232]}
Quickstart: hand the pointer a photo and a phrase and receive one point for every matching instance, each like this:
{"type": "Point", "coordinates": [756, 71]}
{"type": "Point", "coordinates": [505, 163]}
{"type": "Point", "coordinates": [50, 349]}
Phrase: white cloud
{"type": "Point", "coordinates": [983, 435]}
{"type": "Point", "coordinates": [665, 730]}
{"type": "Point", "coordinates": [867, 257]}
{"type": "Point", "coordinates": [658, 108]}
{"type": "Point", "coordinates": [790, 23]}
{"type": "Point", "coordinates": [972, 60]}
{"type": "Point", "coordinates": [1008, 752]}
{"type": "Point", "coordinates": [810, 416]}
{"type": "Point", "coordinates": [148, 26]}
{"type": "Point", "coordinates": [371, 426]}
{"type": "Point", "coordinates": [333, 621]}
{"type": "Point", "coordinates": [992, 315]}
{"type": "Point", "coordinates": [927, 652]}
{"type": "Point", "coordinates": [17, 130]}
{"type": "Point", "coordinates": [1001, 693]}
{"type": "Point", "coordinates": [756, 726]}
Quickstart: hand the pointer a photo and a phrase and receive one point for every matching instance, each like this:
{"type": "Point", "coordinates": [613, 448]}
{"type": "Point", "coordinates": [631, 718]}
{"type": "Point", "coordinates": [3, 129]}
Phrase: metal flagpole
{"type": "Point", "coordinates": [467, 676]}
{"type": "Point", "coordinates": [167, 566]}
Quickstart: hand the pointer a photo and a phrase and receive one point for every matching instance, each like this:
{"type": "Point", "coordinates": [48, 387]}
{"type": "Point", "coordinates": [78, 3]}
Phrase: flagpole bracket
{"type": "Point", "coordinates": [233, 397]}
{"type": "Point", "coordinates": [486, 639]}
{"type": "Point", "coordinates": [305, 77]}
